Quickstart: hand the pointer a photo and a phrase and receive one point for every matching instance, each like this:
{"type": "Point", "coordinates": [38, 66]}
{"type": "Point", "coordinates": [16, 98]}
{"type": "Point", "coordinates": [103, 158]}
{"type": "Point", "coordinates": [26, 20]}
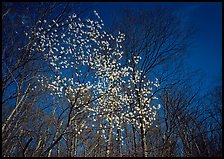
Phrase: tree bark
{"type": "Point", "coordinates": [108, 150]}
{"type": "Point", "coordinates": [119, 144]}
{"type": "Point", "coordinates": [143, 140]}
{"type": "Point", "coordinates": [135, 145]}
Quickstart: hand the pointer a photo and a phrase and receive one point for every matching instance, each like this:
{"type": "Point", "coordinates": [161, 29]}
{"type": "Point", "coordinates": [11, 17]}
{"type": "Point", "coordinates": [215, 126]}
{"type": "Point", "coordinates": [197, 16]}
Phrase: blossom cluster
{"type": "Point", "coordinates": [86, 64]}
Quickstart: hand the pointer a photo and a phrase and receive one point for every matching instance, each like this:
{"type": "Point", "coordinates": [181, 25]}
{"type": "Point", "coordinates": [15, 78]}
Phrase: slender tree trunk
{"type": "Point", "coordinates": [119, 144]}
{"type": "Point", "coordinates": [127, 140]}
{"type": "Point", "coordinates": [16, 110]}
{"type": "Point", "coordinates": [143, 140]}
{"type": "Point", "coordinates": [49, 153]}
{"type": "Point", "coordinates": [58, 150]}
{"type": "Point", "coordinates": [55, 138]}
{"type": "Point", "coordinates": [99, 146]}
{"type": "Point", "coordinates": [145, 143]}
{"type": "Point", "coordinates": [36, 153]}
{"type": "Point", "coordinates": [75, 145]}
{"type": "Point", "coordinates": [108, 149]}
{"type": "Point", "coordinates": [135, 145]}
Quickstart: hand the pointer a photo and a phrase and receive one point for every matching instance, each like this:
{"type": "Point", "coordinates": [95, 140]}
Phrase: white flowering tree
{"type": "Point", "coordinates": [87, 71]}
{"type": "Point", "coordinates": [87, 87]}
{"type": "Point", "coordinates": [142, 106]}
{"type": "Point", "coordinates": [155, 41]}
{"type": "Point", "coordinates": [81, 69]}
{"type": "Point", "coordinates": [71, 88]}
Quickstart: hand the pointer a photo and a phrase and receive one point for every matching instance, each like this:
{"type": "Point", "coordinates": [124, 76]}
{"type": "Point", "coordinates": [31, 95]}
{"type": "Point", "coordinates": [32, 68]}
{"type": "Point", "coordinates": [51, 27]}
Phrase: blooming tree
{"type": "Point", "coordinates": [71, 88]}
{"type": "Point", "coordinates": [86, 70]}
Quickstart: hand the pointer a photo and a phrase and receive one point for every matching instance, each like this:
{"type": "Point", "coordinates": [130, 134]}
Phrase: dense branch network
{"type": "Point", "coordinates": [86, 64]}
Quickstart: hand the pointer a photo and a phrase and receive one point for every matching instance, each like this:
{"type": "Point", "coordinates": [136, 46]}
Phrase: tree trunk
{"type": "Point", "coordinates": [143, 140]}
{"type": "Point", "coordinates": [135, 145]}
{"type": "Point", "coordinates": [119, 144]}
{"type": "Point", "coordinates": [108, 150]}
{"type": "Point", "coordinates": [127, 140]}
{"type": "Point", "coordinates": [73, 146]}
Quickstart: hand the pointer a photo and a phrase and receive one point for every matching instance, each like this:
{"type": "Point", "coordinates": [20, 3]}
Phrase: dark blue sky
{"type": "Point", "coordinates": [206, 53]}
